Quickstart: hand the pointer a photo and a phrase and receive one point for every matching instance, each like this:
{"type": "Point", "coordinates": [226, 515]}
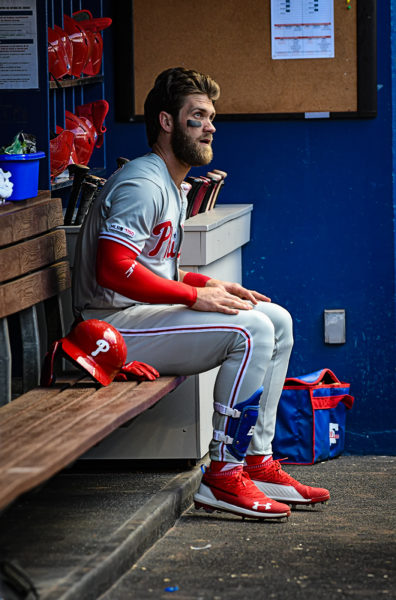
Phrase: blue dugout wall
{"type": "Point", "coordinates": [322, 234]}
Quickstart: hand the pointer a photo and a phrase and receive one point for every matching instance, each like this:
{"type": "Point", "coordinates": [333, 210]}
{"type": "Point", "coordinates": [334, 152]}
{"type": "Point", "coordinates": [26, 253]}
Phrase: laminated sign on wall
{"type": "Point", "coordinates": [310, 424]}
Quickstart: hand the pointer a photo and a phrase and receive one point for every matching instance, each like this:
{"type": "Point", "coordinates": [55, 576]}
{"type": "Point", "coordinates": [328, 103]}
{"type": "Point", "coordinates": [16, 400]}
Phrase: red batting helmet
{"type": "Point", "coordinates": [94, 345]}
{"type": "Point", "coordinates": [92, 27]}
{"type": "Point", "coordinates": [59, 53]}
{"type": "Point", "coordinates": [85, 136]}
{"type": "Point", "coordinates": [96, 113]}
{"type": "Point", "coordinates": [81, 45]}
{"type": "Point", "coordinates": [61, 147]}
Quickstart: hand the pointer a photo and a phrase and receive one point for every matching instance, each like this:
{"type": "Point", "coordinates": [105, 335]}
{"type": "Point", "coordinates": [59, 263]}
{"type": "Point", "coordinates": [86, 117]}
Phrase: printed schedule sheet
{"type": "Point", "coordinates": [302, 29]}
{"type": "Point", "coordinates": [18, 45]}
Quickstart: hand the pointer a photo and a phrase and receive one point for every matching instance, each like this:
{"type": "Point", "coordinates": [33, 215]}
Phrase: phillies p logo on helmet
{"type": "Point", "coordinates": [102, 346]}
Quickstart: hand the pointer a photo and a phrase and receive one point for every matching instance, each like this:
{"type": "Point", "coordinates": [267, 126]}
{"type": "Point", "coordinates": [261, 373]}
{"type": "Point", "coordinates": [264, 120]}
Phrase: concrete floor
{"type": "Point", "coordinates": [88, 535]}
{"type": "Point", "coordinates": [345, 549]}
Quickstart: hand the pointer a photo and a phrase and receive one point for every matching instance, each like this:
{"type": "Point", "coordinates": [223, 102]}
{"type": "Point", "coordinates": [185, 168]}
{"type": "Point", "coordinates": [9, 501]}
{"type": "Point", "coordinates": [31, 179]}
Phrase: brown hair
{"type": "Point", "coordinates": [170, 89]}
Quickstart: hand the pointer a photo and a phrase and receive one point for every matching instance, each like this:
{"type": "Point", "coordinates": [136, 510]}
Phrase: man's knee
{"type": "Point", "coordinates": [282, 322]}
{"type": "Point", "coordinates": [261, 328]}
{"type": "Point", "coordinates": [286, 327]}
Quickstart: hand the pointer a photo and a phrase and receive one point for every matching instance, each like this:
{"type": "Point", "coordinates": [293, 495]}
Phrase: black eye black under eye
{"type": "Point", "coordinates": [194, 123]}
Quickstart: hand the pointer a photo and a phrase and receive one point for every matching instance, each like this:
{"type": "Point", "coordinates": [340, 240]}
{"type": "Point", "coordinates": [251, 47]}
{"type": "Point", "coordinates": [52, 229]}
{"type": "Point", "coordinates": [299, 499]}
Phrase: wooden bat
{"type": "Point", "coordinates": [88, 190]}
{"type": "Point", "coordinates": [79, 172]}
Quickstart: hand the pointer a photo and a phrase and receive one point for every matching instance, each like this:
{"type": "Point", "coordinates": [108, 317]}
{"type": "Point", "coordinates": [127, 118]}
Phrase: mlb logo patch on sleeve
{"type": "Point", "coordinates": [122, 229]}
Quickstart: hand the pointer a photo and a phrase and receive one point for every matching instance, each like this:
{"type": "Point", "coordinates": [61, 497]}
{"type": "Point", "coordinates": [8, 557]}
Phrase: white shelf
{"type": "Point", "coordinates": [211, 236]}
{"type": "Point", "coordinates": [223, 213]}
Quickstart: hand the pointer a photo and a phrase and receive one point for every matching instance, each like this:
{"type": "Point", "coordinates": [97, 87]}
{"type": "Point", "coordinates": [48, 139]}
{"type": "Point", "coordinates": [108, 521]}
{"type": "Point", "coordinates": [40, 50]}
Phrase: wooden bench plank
{"type": "Point", "coordinates": [65, 446]}
{"type": "Point", "coordinates": [62, 412]}
{"type": "Point", "coordinates": [31, 289]}
{"type": "Point", "coordinates": [35, 407]}
{"type": "Point", "coordinates": [24, 257]}
{"type": "Point", "coordinates": [24, 219]}
{"type": "Point", "coordinates": [13, 411]}
{"type": "Point", "coordinates": [71, 442]}
{"type": "Point", "coordinates": [27, 402]}
{"type": "Point", "coordinates": [34, 421]}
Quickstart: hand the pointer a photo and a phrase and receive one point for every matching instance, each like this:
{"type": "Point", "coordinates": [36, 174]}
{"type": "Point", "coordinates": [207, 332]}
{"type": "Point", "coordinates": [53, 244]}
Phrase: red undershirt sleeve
{"type": "Point", "coordinates": [195, 279]}
{"type": "Point", "coordinates": [118, 270]}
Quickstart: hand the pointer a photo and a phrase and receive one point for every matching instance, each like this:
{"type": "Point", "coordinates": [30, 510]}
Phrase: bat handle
{"type": "Point", "coordinates": [87, 194]}
{"type": "Point", "coordinates": [79, 172]}
{"type": "Point", "coordinates": [121, 161]}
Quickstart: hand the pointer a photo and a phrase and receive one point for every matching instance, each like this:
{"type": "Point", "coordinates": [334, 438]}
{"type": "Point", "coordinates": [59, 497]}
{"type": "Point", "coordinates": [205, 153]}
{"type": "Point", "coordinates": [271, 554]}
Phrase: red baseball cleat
{"type": "Point", "coordinates": [234, 492]}
{"type": "Point", "coordinates": [278, 485]}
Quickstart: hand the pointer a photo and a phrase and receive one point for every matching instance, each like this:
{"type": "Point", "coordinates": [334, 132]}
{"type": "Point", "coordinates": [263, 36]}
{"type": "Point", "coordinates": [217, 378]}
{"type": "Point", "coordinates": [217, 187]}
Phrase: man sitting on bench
{"type": "Point", "coordinates": [127, 273]}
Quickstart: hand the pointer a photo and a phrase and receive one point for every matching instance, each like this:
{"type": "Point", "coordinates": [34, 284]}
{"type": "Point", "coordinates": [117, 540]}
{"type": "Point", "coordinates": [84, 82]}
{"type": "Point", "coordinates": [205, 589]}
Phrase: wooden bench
{"type": "Point", "coordinates": [42, 430]}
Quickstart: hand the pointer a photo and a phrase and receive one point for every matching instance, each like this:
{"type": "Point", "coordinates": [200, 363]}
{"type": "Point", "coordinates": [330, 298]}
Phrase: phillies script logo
{"type": "Point", "coordinates": [166, 239]}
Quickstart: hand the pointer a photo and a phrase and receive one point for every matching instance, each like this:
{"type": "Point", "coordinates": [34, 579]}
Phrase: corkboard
{"type": "Point", "coordinates": [231, 40]}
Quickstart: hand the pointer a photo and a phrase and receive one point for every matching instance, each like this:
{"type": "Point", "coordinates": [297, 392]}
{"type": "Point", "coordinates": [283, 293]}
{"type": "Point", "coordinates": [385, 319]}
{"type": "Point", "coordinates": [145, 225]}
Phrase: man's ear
{"type": "Point", "coordinates": [166, 121]}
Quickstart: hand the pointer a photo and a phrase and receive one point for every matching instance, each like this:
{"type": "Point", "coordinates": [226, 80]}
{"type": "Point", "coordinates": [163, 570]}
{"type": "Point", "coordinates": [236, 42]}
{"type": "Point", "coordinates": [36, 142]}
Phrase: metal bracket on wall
{"type": "Point", "coordinates": [334, 326]}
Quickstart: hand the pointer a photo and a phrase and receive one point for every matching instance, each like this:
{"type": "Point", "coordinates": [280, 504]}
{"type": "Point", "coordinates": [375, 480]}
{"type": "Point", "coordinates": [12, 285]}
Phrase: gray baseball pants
{"type": "Point", "coordinates": [252, 349]}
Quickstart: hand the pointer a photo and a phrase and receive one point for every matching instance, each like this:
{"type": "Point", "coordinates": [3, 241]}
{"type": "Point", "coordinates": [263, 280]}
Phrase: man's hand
{"type": "Point", "coordinates": [238, 290]}
{"type": "Point", "coordinates": [226, 297]}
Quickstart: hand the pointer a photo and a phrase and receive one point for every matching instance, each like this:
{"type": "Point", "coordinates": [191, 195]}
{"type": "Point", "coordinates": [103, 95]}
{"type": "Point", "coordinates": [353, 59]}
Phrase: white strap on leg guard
{"type": "Point", "coordinates": [240, 427]}
{"type": "Point", "coordinates": [219, 436]}
{"type": "Point", "coordinates": [226, 410]}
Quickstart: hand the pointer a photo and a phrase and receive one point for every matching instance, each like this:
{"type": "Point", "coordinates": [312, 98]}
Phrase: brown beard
{"type": "Point", "coordinates": [188, 151]}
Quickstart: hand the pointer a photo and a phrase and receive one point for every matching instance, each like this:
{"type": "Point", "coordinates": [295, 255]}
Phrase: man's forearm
{"type": "Point", "coordinates": [117, 269]}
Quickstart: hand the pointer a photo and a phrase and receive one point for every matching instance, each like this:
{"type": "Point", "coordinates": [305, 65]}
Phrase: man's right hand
{"type": "Point", "coordinates": [216, 299]}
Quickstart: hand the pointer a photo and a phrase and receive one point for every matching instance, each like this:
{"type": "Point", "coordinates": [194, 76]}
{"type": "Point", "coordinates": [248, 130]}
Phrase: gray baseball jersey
{"type": "Point", "coordinates": [141, 208]}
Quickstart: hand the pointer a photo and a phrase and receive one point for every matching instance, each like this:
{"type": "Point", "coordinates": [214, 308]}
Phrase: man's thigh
{"type": "Point", "coordinates": [175, 339]}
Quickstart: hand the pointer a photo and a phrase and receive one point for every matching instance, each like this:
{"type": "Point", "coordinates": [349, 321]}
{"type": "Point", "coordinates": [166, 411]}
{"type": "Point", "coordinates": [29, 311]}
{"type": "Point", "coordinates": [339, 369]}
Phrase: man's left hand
{"type": "Point", "coordinates": [238, 290]}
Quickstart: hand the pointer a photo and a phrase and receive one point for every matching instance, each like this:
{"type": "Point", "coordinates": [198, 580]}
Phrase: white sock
{"type": "Point", "coordinates": [230, 466]}
{"type": "Point", "coordinates": [264, 459]}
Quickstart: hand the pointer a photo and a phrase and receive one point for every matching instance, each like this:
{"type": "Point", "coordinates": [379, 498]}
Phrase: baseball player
{"type": "Point", "coordinates": [127, 273]}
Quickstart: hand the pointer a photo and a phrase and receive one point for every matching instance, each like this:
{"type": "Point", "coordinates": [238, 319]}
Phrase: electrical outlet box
{"type": "Point", "coordinates": [334, 326]}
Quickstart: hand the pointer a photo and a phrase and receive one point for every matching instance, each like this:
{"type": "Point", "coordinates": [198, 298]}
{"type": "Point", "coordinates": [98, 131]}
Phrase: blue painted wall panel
{"type": "Point", "coordinates": [322, 237]}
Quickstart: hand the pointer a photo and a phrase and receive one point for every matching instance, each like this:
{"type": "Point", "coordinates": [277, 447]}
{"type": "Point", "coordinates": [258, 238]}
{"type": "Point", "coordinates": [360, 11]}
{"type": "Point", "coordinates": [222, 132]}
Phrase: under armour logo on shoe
{"type": "Point", "coordinates": [267, 505]}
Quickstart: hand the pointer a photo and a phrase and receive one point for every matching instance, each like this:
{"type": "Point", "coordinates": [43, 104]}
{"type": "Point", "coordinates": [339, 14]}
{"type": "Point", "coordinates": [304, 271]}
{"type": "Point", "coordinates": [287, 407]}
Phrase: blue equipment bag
{"type": "Point", "coordinates": [310, 424]}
